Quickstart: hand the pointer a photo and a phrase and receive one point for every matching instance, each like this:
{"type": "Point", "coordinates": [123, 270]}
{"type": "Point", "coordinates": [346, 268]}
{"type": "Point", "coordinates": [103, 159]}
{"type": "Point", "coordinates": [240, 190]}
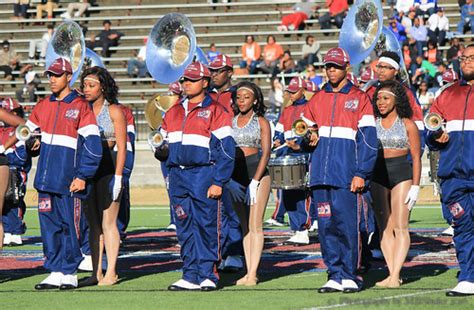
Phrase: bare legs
{"type": "Point", "coordinates": [4, 175]}
{"type": "Point", "coordinates": [111, 240]}
{"type": "Point", "coordinates": [392, 217]}
{"type": "Point", "coordinates": [252, 229]}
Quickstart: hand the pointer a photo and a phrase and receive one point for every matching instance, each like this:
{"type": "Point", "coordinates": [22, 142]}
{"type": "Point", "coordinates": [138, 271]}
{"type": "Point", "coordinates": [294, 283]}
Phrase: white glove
{"type": "Point", "coordinates": [117, 187]}
{"type": "Point", "coordinates": [253, 186]}
{"type": "Point", "coordinates": [412, 196]}
{"type": "Point", "coordinates": [2, 149]}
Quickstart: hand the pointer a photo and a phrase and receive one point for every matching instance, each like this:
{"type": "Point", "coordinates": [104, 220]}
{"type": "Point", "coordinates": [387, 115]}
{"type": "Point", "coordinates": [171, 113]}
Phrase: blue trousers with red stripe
{"type": "Point", "coordinates": [197, 222]}
{"type": "Point", "coordinates": [458, 201]}
{"type": "Point", "coordinates": [338, 228]}
{"type": "Point", "coordinates": [60, 217]}
{"type": "Point", "coordinates": [297, 203]}
{"type": "Point", "coordinates": [231, 233]}
{"type": "Point", "coordinates": [280, 210]}
{"type": "Point", "coordinates": [12, 218]}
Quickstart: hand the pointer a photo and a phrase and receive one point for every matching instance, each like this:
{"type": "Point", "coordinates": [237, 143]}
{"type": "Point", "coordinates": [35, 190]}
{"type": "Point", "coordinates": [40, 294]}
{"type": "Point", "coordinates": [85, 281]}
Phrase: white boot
{"type": "Point", "coordinates": [300, 237]}
{"type": "Point", "coordinates": [7, 239]}
{"type": "Point", "coordinates": [16, 240]}
{"type": "Point", "coordinates": [464, 288]}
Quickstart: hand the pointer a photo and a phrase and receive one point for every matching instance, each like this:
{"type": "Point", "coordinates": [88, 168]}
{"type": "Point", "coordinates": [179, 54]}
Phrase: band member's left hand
{"type": "Point", "coordinates": [214, 192]}
{"type": "Point", "coordinates": [77, 185]}
{"type": "Point", "coordinates": [293, 145]}
{"type": "Point", "coordinates": [36, 145]}
{"type": "Point", "coordinates": [357, 184]}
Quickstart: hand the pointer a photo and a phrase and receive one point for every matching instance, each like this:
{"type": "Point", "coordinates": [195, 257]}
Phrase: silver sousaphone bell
{"type": "Point", "coordinates": [170, 48]}
{"type": "Point", "coordinates": [92, 59]}
{"type": "Point", "coordinates": [67, 42]}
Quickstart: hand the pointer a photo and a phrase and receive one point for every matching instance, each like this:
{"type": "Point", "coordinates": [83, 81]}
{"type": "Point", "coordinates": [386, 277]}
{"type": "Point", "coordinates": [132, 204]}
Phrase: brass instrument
{"type": "Point", "coordinates": [433, 122]}
{"type": "Point", "coordinates": [299, 128]}
{"type": "Point", "coordinates": [154, 110]}
{"type": "Point", "coordinates": [24, 133]}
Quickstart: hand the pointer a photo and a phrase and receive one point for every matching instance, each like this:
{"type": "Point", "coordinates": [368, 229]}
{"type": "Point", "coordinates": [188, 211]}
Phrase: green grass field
{"type": "Point", "coordinates": [296, 289]}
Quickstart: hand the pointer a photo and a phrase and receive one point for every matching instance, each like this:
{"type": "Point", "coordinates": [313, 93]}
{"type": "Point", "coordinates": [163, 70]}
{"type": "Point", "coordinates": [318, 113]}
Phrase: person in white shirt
{"type": "Point", "coordinates": [41, 44]}
{"type": "Point", "coordinates": [404, 6]}
{"type": "Point", "coordinates": [138, 63]}
{"type": "Point", "coordinates": [438, 25]}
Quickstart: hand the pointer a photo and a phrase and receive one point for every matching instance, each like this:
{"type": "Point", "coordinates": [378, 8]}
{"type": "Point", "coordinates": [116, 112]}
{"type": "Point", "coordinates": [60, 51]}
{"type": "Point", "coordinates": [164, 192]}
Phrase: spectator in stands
{"type": "Point", "coordinates": [425, 71]}
{"type": "Point", "coordinates": [136, 65]}
{"type": "Point", "coordinates": [438, 79]}
{"type": "Point", "coordinates": [310, 52]}
{"type": "Point", "coordinates": [20, 8]}
{"type": "Point", "coordinates": [425, 97]}
{"type": "Point", "coordinates": [453, 53]}
{"type": "Point", "coordinates": [275, 95]}
{"type": "Point", "coordinates": [404, 6]}
{"type": "Point", "coordinates": [295, 21]}
{"type": "Point", "coordinates": [337, 10]}
{"type": "Point", "coordinates": [28, 92]}
{"type": "Point", "coordinates": [272, 52]}
{"type": "Point", "coordinates": [312, 76]}
{"type": "Point", "coordinates": [425, 7]}
{"type": "Point", "coordinates": [419, 33]}
{"type": "Point", "coordinates": [9, 60]}
{"type": "Point", "coordinates": [287, 63]}
{"type": "Point", "coordinates": [406, 20]}
{"type": "Point", "coordinates": [106, 38]}
{"type": "Point", "coordinates": [397, 29]}
{"type": "Point", "coordinates": [438, 25]}
{"type": "Point", "coordinates": [433, 54]}
{"type": "Point", "coordinates": [41, 44]}
{"type": "Point", "coordinates": [410, 53]}
{"type": "Point", "coordinates": [48, 6]}
{"type": "Point", "coordinates": [80, 6]}
{"type": "Point", "coordinates": [213, 52]}
{"type": "Point", "coordinates": [465, 16]}
{"type": "Point", "coordinates": [251, 52]}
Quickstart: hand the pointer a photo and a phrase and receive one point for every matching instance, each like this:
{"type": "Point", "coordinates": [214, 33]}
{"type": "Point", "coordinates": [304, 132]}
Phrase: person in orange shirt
{"type": "Point", "coordinates": [250, 54]}
{"type": "Point", "coordinates": [272, 52]}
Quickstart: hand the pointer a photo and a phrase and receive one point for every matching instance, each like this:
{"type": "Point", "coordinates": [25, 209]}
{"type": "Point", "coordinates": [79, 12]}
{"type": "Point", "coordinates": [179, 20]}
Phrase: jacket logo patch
{"type": "Point", "coordinates": [44, 205]}
{"type": "Point", "coordinates": [351, 105]}
{"type": "Point", "coordinates": [456, 210]}
{"type": "Point", "coordinates": [180, 212]}
{"type": "Point", "coordinates": [324, 209]}
{"type": "Point", "coordinates": [204, 114]}
{"type": "Point", "coordinates": [72, 114]}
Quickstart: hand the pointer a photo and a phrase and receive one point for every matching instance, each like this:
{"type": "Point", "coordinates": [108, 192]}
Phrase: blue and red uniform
{"type": "Point", "coordinates": [201, 154]}
{"type": "Point", "coordinates": [70, 148]}
{"type": "Point", "coordinates": [296, 202]}
{"type": "Point", "coordinates": [456, 169]}
{"type": "Point", "coordinates": [347, 147]}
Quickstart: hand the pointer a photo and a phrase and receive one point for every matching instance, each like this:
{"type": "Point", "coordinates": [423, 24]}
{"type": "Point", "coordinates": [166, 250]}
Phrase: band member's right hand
{"type": "Point", "coordinates": [444, 138]}
{"type": "Point", "coordinates": [276, 143]}
{"type": "Point", "coordinates": [214, 192]}
{"type": "Point", "coordinates": [313, 139]}
{"type": "Point", "coordinates": [77, 185]}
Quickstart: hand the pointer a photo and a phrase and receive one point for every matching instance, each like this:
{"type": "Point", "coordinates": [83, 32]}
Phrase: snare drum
{"type": "Point", "coordinates": [288, 172]}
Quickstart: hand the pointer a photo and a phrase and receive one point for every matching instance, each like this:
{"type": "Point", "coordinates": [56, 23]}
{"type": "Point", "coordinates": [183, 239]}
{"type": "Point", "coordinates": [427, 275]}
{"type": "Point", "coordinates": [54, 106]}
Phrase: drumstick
{"type": "Point", "coordinates": [279, 147]}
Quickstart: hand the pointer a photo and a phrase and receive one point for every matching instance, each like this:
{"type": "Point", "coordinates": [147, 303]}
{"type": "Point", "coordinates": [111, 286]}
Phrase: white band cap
{"type": "Point", "coordinates": [390, 61]}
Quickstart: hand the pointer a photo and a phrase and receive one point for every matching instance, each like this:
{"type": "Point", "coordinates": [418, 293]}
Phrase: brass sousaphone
{"type": "Point", "coordinates": [154, 111]}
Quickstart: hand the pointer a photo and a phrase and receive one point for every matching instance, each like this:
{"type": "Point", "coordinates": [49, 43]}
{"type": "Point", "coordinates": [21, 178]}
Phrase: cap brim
{"type": "Point", "coordinates": [335, 63]}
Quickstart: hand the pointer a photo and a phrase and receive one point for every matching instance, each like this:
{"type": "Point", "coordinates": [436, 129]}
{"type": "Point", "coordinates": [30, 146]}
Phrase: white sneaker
{"type": "Point", "coordinates": [448, 231]}
{"type": "Point", "coordinates": [300, 237]}
{"type": "Point", "coordinates": [65, 15]}
{"type": "Point", "coordinates": [86, 263]}
{"type": "Point", "coordinates": [207, 285]}
{"type": "Point", "coordinates": [171, 227]}
{"type": "Point", "coordinates": [314, 226]}
{"type": "Point", "coordinates": [7, 239]}
{"type": "Point", "coordinates": [69, 279]}
{"type": "Point", "coordinates": [16, 240]}
{"type": "Point", "coordinates": [273, 222]}
{"type": "Point", "coordinates": [330, 286]}
{"type": "Point", "coordinates": [464, 288]}
{"type": "Point", "coordinates": [54, 278]}
{"type": "Point", "coordinates": [183, 285]}
{"type": "Point", "coordinates": [77, 14]}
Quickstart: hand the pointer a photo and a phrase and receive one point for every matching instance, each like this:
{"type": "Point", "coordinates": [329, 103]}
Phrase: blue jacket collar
{"type": "Point", "coordinates": [300, 101]}
{"type": "Point", "coordinates": [345, 90]}
{"type": "Point", "coordinates": [68, 99]}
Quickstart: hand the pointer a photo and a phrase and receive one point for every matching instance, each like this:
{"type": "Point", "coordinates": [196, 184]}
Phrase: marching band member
{"type": "Point", "coordinates": [341, 164]}
{"type": "Point", "coordinates": [252, 135]}
{"type": "Point", "coordinates": [200, 147]}
{"type": "Point", "coordinates": [70, 153]}
{"type": "Point", "coordinates": [19, 163]}
{"type": "Point", "coordinates": [395, 181]}
{"type": "Point", "coordinates": [221, 69]}
{"type": "Point", "coordinates": [296, 202]}
{"type": "Point", "coordinates": [456, 169]}
{"type": "Point", "coordinates": [103, 202]}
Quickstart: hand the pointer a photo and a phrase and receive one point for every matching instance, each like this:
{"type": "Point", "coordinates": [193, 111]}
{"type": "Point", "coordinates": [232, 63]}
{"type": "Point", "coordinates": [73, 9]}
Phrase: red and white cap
{"type": "Point", "coordinates": [9, 104]}
{"type": "Point", "coordinates": [337, 56]}
{"type": "Point", "coordinates": [220, 61]}
{"type": "Point", "coordinates": [196, 71]}
{"type": "Point", "coordinates": [59, 67]}
{"type": "Point", "coordinates": [296, 84]}
{"type": "Point", "coordinates": [175, 88]}
{"type": "Point", "coordinates": [351, 77]}
{"type": "Point", "coordinates": [449, 76]}
{"type": "Point", "coordinates": [367, 75]}
{"type": "Point", "coordinates": [311, 87]}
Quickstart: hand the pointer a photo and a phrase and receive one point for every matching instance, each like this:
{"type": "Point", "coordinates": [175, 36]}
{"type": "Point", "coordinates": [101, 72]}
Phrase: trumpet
{"type": "Point", "coordinates": [155, 139]}
{"type": "Point", "coordinates": [24, 133]}
{"type": "Point", "coordinates": [433, 122]}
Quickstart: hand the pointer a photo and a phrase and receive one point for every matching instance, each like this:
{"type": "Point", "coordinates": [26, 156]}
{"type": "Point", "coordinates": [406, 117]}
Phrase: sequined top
{"type": "Point", "coordinates": [249, 135]}
{"type": "Point", "coordinates": [394, 137]}
{"type": "Point", "coordinates": [104, 121]}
